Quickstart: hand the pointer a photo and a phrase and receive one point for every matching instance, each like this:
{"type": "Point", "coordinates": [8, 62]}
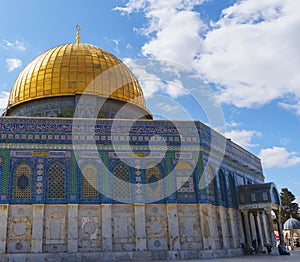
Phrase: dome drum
{"type": "Point", "coordinates": [65, 106]}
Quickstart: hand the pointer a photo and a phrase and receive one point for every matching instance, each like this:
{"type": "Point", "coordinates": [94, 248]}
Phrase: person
{"type": "Point", "coordinates": [268, 247]}
{"type": "Point", "coordinates": [254, 245]}
{"type": "Point", "coordinates": [282, 250]}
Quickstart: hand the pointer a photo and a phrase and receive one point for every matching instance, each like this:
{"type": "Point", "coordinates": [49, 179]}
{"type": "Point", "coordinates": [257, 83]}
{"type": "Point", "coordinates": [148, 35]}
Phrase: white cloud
{"type": "Point", "coordinates": [132, 6]}
{"type": "Point", "coordinates": [291, 106]}
{"type": "Point", "coordinates": [149, 82]}
{"type": "Point", "coordinates": [17, 45]}
{"type": "Point", "coordinates": [148, 5]}
{"type": "Point", "coordinates": [233, 124]}
{"type": "Point", "coordinates": [176, 39]}
{"type": "Point", "coordinates": [285, 141]}
{"type": "Point", "coordinates": [251, 53]}
{"type": "Point", "coordinates": [168, 107]}
{"type": "Point", "coordinates": [13, 63]}
{"type": "Point", "coordinates": [3, 99]}
{"type": "Point", "coordinates": [175, 88]}
{"type": "Point", "coordinates": [116, 43]}
{"type": "Point", "coordinates": [173, 28]}
{"type": "Point", "coordinates": [152, 83]}
{"type": "Point", "coordinates": [242, 137]}
{"type": "Point", "coordinates": [278, 157]}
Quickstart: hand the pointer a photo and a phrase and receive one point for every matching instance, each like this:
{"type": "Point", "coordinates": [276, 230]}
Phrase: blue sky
{"type": "Point", "coordinates": [246, 51]}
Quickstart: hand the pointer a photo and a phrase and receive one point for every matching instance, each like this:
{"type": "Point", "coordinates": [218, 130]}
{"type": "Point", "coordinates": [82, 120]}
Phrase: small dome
{"type": "Point", "coordinates": [67, 70]}
{"type": "Point", "coordinates": [291, 224]}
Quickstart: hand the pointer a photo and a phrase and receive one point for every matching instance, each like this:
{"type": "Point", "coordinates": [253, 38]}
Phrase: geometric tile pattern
{"type": "Point", "coordinates": [38, 164]}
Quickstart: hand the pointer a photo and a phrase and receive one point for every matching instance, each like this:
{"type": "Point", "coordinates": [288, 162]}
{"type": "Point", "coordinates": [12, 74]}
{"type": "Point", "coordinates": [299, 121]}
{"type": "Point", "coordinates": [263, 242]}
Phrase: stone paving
{"type": "Point", "coordinates": [295, 256]}
{"type": "Point", "coordinates": [274, 256]}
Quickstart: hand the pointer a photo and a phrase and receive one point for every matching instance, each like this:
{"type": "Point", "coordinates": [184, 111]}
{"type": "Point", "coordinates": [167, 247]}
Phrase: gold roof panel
{"type": "Point", "coordinates": [77, 68]}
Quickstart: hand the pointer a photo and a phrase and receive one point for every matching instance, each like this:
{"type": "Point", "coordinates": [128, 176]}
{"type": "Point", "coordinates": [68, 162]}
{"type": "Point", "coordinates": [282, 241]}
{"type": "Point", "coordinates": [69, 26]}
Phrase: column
{"type": "Point", "coordinates": [203, 238]}
{"type": "Point", "coordinates": [224, 228]}
{"type": "Point", "coordinates": [240, 228]}
{"type": "Point", "coordinates": [271, 228]}
{"type": "Point", "coordinates": [253, 227]}
{"type": "Point", "coordinates": [72, 228]}
{"type": "Point", "coordinates": [37, 228]}
{"type": "Point", "coordinates": [292, 239]}
{"type": "Point", "coordinates": [106, 227]}
{"type": "Point", "coordinates": [3, 227]}
{"type": "Point", "coordinates": [280, 231]}
{"type": "Point", "coordinates": [212, 226]}
{"type": "Point", "coordinates": [172, 215]}
{"type": "Point", "coordinates": [204, 225]}
{"type": "Point", "coordinates": [234, 225]}
{"type": "Point", "coordinates": [260, 232]}
{"type": "Point", "coordinates": [140, 227]}
{"type": "Point", "coordinates": [266, 227]}
{"type": "Point", "coordinates": [247, 228]}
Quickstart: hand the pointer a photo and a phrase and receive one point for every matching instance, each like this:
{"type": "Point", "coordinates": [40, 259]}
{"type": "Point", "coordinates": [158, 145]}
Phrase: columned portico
{"type": "Point", "coordinates": [257, 201]}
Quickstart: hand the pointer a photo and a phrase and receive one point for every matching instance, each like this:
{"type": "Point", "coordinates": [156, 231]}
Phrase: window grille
{"type": "Point", "coordinates": [56, 175]}
{"type": "Point", "coordinates": [22, 182]}
{"type": "Point", "coordinates": [122, 191]}
{"type": "Point", "coordinates": [89, 181]}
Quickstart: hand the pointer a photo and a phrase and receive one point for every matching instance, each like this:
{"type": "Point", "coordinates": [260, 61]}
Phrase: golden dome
{"type": "Point", "coordinates": [68, 69]}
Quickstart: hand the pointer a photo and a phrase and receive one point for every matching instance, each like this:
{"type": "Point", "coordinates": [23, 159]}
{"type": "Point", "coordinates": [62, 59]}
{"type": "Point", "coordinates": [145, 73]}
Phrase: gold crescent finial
{"type": "Point", "coordinates": [78, 34]}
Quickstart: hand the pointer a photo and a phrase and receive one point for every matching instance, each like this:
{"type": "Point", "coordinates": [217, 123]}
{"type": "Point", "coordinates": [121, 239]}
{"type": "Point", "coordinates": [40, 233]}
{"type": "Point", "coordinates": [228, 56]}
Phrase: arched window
{"type": "Point", "coordinates": [22, 174]}
{"type": "Point", "coordinates": [56, 181]}
{"type": "Point", "coordinates": [122, 183]}
{"type": "Point", "coordinates": [153, 174]}
{"type": "Point", "coordinates": [185, 182]}
{"type": "Point", "coordinates": [89, 181]}
{"type": "Point", "coordinates": [221, 187]}
{"type": "Point", "coordinates": [231, 191]}
{"type": "Point", "coordinates": [276, 196]}
{"type": "Point", "coordinates": [211, 181]}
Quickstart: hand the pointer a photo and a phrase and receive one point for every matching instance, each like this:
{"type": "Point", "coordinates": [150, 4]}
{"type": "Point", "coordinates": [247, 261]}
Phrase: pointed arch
{"type": "Point", "coordinates": [221, 187]}
{"type": "Point", "coordinates": [232, 197]}
{"type": "Point", "coordinates": [211, 181]}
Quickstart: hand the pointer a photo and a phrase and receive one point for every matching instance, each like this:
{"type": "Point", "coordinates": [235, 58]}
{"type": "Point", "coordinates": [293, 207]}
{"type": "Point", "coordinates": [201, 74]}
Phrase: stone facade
{"type": "Point", "coordinates": [163, 231]}
{"type": "Point", "coordinates": [48, 209]}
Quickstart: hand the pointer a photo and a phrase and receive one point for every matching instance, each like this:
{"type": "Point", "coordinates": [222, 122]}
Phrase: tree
{"type": "Point", "coordinates": [288, 207]}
